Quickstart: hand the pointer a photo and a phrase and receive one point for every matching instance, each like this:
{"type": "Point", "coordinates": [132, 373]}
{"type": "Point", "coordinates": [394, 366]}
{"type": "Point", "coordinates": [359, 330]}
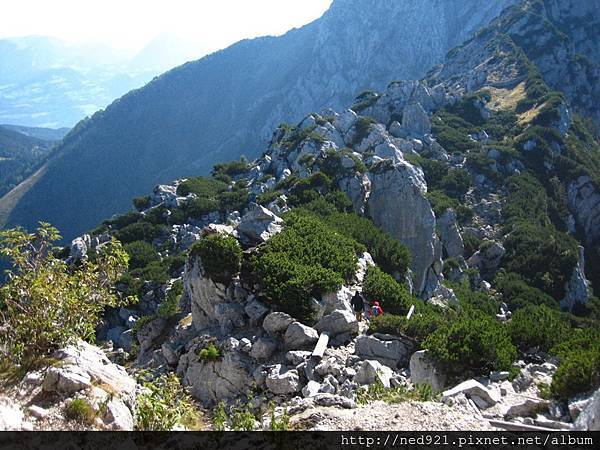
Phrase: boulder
{"type": "Point", "coordinates": [311, 389]}
{"type": "Point", "coordinates": [258, 225]}
{"type": "Point", "coordinates": [415, 120]}
{"type": "Point", "coordinates": [204, 294]}
{"type": "Point", "coordinates": [424, 371]}
{"type": "Point", "coordinates": [148, 333]}
{"type": "Point", "coordinates": [282, 380]}
{"type": "Point", "coordinates": [589, 418]}
{"type": "Point", "coordinates": [118, 416]}
{"type": "Point", "coordinates": [331, 400]}
{"type": "Point", "coordinates": [256, 311]}
{"type": "Point", "coordinates": [370, 371]}
{"type": "Point", "coordinates": [577, 289]}
{"type": "Point", "coordinates": [277, 322]}
{"type": "Point", "coordinates": [526, 407]}
{"type": "Point", "coordinates": [449, 234]}
{"type": "Point", "coordinates": [338, 322]}
{"type": "Point", "coordinates": [79, 247]}
{"type": "Point", "coordinates": [67, 380]}
{"type": "Point", "coordinates": [488, 258]}
{"type": "Point", "coordinates": [299, 336]}
{"type": "Point", "coordinates": [213, 381]}
{"type": "Point", "coordinates": [391, 351]}
{"type": "Point", "coordinates": [584, 202]}
{"type": "Point", "coordinates": [296, 357]}
{"type": "Point", "coordinates": [475, 391]}
{"type": "Point", "coordinates": [263, 348]}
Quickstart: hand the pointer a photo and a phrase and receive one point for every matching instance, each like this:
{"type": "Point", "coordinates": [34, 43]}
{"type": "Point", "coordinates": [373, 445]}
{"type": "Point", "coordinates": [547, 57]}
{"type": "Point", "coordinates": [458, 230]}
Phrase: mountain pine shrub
{"type": "Point", "coordinates": [221, 256]}
{"type": "Point", "coordinates": [392, 296]}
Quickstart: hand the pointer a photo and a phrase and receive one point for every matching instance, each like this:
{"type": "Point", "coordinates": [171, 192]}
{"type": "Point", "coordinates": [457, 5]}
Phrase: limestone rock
{"type": "Point", "coordinates": [450, 236]}
{"type": "Point", "coordinates": [282, 380]}
{"type": "Point", "coordinates": [589, 418]}
{"type": "Point", "coordinates": [393, 352]}
{"type": "Point", "coordinates": [258, 225]}
{"type": "Point", "coordinates": [370, 371]}
{"type": "Point", "coordinates": [577, 289]}
{"type": "Point", "coordinates": [526, 407]}
{"type": "Point", "coordinates": [415, 120]}
{"type": "Point", "coordinates": [11, 415]}
{"type": "Point", "coordinates": [204, 294]}
{"type": "Point", "coordinates": [338, 322]}
{"type": "Point", "coordinates": [472, 389]}
{"type": "Point", "coordinates": [68, 380]}
{"type": "Point", "coordinates": [256, 311]}
{"type": "Point", "coordinates": [118, 416]}
{"type": "Point", "coordinates": [425, 371]}
{"type": "Point", "coordinates": [299, 336]}
{"type": "Point", "coordinates": [263, 348]}
{"type": "Point", "coordinates": [277, 322]}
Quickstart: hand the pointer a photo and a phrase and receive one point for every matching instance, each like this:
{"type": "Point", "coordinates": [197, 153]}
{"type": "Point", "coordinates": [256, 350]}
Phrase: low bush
{"type": "Point", "coordinates": [221, 256]}
{"type": "Point", "coordinates": [392, 296]}
{"type": "Point", "coordinates": [139, 231]}
{"type": "Point", "coordinates": [307, 259]}
{"type": "Point", "coordinates": [210, 353]}
{"type": "Point", "coordinates": [140, 254]}
{"type": "Point", "coordinates": [164, 405]}
{"type": "Point", "coordinates": [477, 343]}
{"type": "Point", "coordinates": [170, 305]}
{"type": "Point", "coordinates": [80, 410]}
{"type": "Point", "coordinates": [538, 326]}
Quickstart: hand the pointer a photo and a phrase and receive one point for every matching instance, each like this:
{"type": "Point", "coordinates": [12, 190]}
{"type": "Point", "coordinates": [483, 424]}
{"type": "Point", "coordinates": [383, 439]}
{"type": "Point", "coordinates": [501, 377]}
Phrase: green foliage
{"type": "Point", "coordinates": [139, 231]}
{"type": "Point", "coordinates": [232, 168]}
{"type": "Point", "coordinates": [170, 305]}
{"type": "Point", "coordinates": [425, 320]}
{"type": "Point", "coordinates": [478, 343]}
{"type": "Point", "coordinates": [281, 423]}
{"type": "Point", "coordinates": [141, 203]}
{"type": "Point", "coordinates": [201, 186]}
{"type": "Point", "coordinates": [80, 410]}
{"type": "Point", "coordinates": [390, 254]}
{"type": "Point", "coordinates": [471, 243]}
{"type": "Point", "coordinates": [361, 129]}
{"type": "Point", "coordinates": [46, 303]}
{"type": "Point", "coordinates": [440, 202]}
{"type": "Point", "coordinates": [456, 183]}
{"type": "Point", "coordinates": [219, 417]}
{"type": "Point", "coordinates": [378, 392]}
{"type": "Point", "coordinates": [210, 353]}
{"type": "Point", "coordinates": [517, 293]}
{"type": "Point", "coordinates": [221, 256]}
{"type": "Point", "coordinates": [165, 404]}
{"type": "Point", "coordinates": [140, 254]}
{"type": "Point", "coordinates": [472, 301]}
{"type": "Point", "coordinates": [307, 259]}
{"type": "Point", "coordinates": [392, 296]}
{"type": "Point", "coordinates": [538, 326]}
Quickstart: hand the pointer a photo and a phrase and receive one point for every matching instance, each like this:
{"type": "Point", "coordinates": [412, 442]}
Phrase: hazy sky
{"type": "Point", "coordinates": [130, 24]}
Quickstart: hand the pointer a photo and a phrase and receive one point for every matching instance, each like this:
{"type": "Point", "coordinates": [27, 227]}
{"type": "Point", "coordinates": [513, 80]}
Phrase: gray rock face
{"type": "Point", "coordinates": [415, 120]}
{"type": "Point", "coordinates": [149, 332]}
{"type": "Point", "coordinates": [118, 416]}
{"type": "Point", "coordinates": [393, 352]}
{"type": "Point", "coordinates": [450, 236]}
{"type": "Point", "coordinates": [258, 225]}
{"type": "Point", "coordinates": [338, 322]}
{"type": "Point", "coordinates": [397, 204]}
{"type": "Point", "coordinates": [577, 289]}
{"type": "Point", "coordinates": [282, 380]}
{"type": "Point", "coordinates": [298, 336]}
{"type": "Point", "coordinates": [256, 311]}
{"type": "Point", "coordinates": [204, 294]}
{"type": "Point", "coordinates": [584, 203]}
{"type": "Point", "coordinates": [213, 381]}
{"type": "Point", "coordinates": [80, 247]}
{"type": "Point", "coordinates": [277, 322]}
{"type": "Point", "coordinates": [424, 371]}
{"type": "Point", "coordinates": [589, 418]}
{"type": "Point", "coordinates": [66, 380]}
{"type": "Point", "coordinates": [488, 259]}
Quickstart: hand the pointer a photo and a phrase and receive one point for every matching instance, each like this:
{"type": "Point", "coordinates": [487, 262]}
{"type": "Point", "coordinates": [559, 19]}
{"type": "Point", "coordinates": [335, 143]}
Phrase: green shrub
{"type": "Point", "coordinates": [221, 256]}
{"type": "Point", "coordinates": [517, 293]}
{"type": "Point", "coordinates": [48, 304]}
{"type": "Point", "coordinates": [476, 343]}
{"type": "Point", "coordinates": [538, 326]}
{"type": "Point", "coordinates": [200, 207]}
{"type": "Point", "coordinates": [387, 252]}
{"type": "Point", "coordinates": [80, 410]}
{"type": "Point", "coordinates": [307, 259]}
{"type": "Point", "coordinates": [232, 168]}
{"type": "Point", "coordinates": [392, 296]}
{"type": "Point", "coordinates": [140, 254]}
{"type": "Point", "coordinates": [378, 392]}
{"type": "Point", "coordinates": [170, 305]}
{"type": "Point", "coordinates": [361, 129]}
{"type": "Point", "coordinates": [139, 231]}
{"type": "Point", "coordinates": [165, 404]}
{"type": "Point", "coordinates": [440, 202]}
{"type": "Point", "coordinates": [471, 243]}
{"type": "Point", "coordinates": [424, 321]}
{"type": "Point", "coordinates": [210, 353]}
{"type": "Point", "coordinates": [141, 203]}
{"type": "Point", "coordinates": [456, 183]}
{"type": "Point", "coordinates": [219, 417]}
{"type": "Point", "coordinates": [201, 186]}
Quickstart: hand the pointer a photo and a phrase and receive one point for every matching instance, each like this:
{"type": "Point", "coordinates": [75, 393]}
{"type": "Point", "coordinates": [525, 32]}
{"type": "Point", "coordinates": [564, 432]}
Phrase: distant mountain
{"type": "Point", "coordinates": [50, 83]}
{"type": "Point", "coordinates": [45, 134]}
{"type": "Point", "coordinates": [227, 103]}
{"type": "Point", "coordinates": [21, 155]}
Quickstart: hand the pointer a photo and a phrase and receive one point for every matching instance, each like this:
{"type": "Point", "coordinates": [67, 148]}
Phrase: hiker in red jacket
{"type": "Point", "coordinates": [376, 310]}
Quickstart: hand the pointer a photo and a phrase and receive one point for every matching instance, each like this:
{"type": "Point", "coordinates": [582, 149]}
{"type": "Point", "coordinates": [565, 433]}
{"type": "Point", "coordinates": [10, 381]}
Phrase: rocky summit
{"type": "Point", "coordinates": [430, 248]}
